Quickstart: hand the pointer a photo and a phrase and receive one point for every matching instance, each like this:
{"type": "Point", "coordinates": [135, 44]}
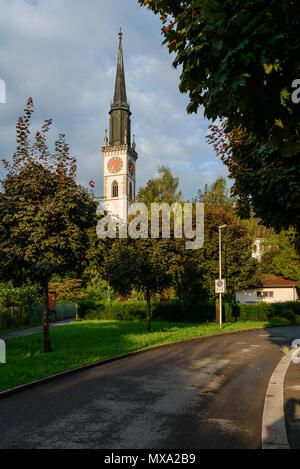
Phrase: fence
{"type": "Point", "coordinates": [18, 316]}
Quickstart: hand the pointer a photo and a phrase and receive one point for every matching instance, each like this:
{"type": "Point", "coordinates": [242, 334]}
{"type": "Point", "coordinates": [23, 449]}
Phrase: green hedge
{"type": "Point", "coordinates": [177, 311]}
{"type": "Point", "coordinates": [117, 310]}
{"type": "Point", "coordinates": [170, 311]}
{"type": "Point", "coordinates": [266, 311]}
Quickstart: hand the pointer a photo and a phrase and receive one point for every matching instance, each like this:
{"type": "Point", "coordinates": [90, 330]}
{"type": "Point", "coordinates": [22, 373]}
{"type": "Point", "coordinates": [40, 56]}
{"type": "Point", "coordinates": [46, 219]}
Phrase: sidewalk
{"type": "Point", "coordinates": [292, 405]}
{"type": "Point", "coordinates": [34, 330]}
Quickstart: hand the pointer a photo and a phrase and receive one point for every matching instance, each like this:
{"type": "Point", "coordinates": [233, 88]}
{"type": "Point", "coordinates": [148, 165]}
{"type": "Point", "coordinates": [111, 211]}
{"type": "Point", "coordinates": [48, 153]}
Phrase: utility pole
{"type": "Point", "coordinates": [220, 272]}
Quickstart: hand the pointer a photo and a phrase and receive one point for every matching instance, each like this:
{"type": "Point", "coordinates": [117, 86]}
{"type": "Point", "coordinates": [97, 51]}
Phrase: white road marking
{"type": "Point", "coordinates": [273, 423]}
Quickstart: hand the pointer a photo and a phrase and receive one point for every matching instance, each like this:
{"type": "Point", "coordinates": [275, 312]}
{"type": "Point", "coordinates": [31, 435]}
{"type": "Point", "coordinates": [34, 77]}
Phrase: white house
{"type": "Point", "coordinates": [271, 289]}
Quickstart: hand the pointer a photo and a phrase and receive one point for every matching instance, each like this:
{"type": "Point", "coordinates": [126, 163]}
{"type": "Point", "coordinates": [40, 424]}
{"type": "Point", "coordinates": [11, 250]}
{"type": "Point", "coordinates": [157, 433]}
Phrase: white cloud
{"type": "Point", "coordinates": [63, 54]}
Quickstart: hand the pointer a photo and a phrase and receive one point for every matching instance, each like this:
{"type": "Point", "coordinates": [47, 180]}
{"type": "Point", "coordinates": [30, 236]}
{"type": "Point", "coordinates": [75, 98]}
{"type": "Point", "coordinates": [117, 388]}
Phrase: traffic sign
{"type": "Point", "coordinates": [220, 286]}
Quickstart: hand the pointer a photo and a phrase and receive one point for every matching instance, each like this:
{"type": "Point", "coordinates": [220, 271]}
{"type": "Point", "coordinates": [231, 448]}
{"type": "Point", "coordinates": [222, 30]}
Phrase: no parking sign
{"type": "Point", "coordinates": [220, 286]}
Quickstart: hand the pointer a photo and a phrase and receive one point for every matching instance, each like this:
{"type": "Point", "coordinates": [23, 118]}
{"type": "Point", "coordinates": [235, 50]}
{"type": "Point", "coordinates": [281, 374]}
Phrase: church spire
{"type": "Point", "coordinates": [119, 127]}
{"type": "Point", "coordinates": [120, 99]}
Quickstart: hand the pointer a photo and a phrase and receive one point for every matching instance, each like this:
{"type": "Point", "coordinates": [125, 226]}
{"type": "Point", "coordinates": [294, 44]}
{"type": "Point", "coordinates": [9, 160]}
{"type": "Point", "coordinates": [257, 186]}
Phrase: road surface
{"type": "Point", "coordinates": [204, 394]}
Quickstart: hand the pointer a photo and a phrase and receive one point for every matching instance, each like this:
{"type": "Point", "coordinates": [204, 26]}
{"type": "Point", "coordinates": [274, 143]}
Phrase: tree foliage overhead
{"type": "Point", "coordinates": [239, 59]}
{"type": "Point", "coordinates": [264, 180]}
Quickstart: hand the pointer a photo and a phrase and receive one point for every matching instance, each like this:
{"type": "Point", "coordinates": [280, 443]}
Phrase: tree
{"type": "Point", "coordinates": [141, 264]}
{"type": "Point", "coordinates": [68, 289]}
{"type": "Point", "coordinates": [261, 176]}
{"type": "Point", "coordinates": [200, 268]}
{"type": "Point", "coordinates": [46, 217]}
{"type": "Point", "coordinates": [280, 256]}
{"type": "Point", "coordinates": [164, 188]}
{"type": "Point", "coordinates": [239, 60]}
{"type": "Point", "coordinates": [215, 194]}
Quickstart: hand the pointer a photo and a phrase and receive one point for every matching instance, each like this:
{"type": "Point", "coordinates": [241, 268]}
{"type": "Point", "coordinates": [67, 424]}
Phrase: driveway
{"type": "Point", "coordinates": [34, 330]}
{"type": "Point", "coordinates": [204, 394]}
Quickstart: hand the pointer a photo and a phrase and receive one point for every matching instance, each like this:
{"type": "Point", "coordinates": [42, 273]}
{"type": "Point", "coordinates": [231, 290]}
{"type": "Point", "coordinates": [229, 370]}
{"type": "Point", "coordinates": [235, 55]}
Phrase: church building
{"type": "Point", "coordinates": [119, 150]}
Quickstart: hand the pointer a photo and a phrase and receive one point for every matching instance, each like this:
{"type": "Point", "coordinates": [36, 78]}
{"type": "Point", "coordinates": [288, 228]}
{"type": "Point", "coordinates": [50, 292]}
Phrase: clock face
{"type": "Point", "coordinates": [115, 165]}
{"type": "Point", "coordinates": [131, 168]}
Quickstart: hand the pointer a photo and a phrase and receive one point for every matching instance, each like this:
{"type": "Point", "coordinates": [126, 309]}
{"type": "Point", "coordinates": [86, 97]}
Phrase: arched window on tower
{"type": "Point", "coordinates": [115, 189]}
{"type": "Point", "coordinates": [130, 191]}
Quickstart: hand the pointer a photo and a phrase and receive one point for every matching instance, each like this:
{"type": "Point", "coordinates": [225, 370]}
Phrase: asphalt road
{"type": "Point", "coordinates": [204, 394]}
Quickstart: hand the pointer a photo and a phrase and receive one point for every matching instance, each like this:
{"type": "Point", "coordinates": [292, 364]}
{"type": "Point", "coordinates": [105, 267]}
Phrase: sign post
{"type": "Point", "coordinates": [220, 283]}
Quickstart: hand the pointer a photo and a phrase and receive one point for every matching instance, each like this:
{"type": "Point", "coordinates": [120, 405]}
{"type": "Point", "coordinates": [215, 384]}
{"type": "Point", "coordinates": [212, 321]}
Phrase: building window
{"type": "Point", "coordinates": [130, 191]}
{"type": "Point", "coordinates": [265, 294]}
{"type": "Point", "coordinates": [115, 189]}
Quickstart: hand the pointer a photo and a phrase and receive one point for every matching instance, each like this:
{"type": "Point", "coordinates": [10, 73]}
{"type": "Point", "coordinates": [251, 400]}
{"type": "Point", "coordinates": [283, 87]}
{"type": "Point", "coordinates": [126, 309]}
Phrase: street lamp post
{"type": "Point", "coordinates": [220, 272]}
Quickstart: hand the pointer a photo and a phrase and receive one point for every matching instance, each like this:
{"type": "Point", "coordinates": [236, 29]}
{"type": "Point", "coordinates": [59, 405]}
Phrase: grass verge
{"type": "Point", "coordinates": [84, 342]}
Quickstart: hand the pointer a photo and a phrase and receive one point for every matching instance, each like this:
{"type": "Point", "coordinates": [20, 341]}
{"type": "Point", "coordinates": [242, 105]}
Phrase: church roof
{"type": "Point", "coordinates": [120, 99]}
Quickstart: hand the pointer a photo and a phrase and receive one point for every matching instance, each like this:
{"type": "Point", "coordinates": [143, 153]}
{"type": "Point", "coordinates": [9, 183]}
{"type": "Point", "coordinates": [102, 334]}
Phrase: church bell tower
{"type": "Point", "coordinates": [119, 150]}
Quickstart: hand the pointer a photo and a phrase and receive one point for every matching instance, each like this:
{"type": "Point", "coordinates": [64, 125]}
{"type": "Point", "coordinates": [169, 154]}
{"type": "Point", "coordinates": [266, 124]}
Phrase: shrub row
{"type": "Point", "coordinates": [177, 311]}
{"type": "Point", "coordinates": [266, 311]}
{"type": "Point", "coordinates": [119, 311]}
{"type": "Point", "coordinates": [171, 311]}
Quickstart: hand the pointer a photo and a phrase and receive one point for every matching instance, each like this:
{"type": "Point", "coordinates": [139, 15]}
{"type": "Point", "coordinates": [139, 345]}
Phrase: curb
{"type": "Point", "coordinates": [48, 379]}
{"type": "Point", "coordinates": [274, 434]}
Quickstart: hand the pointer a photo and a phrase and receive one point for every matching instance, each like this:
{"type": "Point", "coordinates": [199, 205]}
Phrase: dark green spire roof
{"type": "Point", "coordinates": [119, 126]}
{"type": "Point", "coordinates": [120, 99]}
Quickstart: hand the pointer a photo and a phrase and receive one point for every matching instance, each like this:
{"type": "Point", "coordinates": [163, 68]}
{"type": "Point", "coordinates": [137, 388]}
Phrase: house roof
{"type": "Point", "coordinates": [269, 280]}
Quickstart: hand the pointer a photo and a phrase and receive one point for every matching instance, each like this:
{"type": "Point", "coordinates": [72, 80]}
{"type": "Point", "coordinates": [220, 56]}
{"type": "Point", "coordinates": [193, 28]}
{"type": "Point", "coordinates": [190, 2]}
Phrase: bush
{"type": "Point", "coordinates": [169, 311]}
{"type": "Point", "coordinates": [89, 308]}
{"type": "Point", "coordinates": [116, 310]}
{"type": "Point", "coordinates": [129, 311]}
{"type": "Point", "coordinates": [179, 311]}
{"type": "Point", "coordinates": [19, 306]}
{"type": "Point", "coordinates": [266, 311]}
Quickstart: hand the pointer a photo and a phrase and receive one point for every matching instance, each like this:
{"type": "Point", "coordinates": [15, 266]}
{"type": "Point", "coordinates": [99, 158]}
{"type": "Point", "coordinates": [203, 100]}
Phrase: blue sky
{"type": "Point", "coordinates": [63, 54]}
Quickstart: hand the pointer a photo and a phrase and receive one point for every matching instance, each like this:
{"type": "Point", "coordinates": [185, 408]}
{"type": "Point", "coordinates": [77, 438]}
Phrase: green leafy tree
{"type": "Point", "coordinates": [196, 278]}
{"type": "Point", "coordinates": [280, 256]}
{"type": "Point", "coordinates": [217, 193]}
{"type": "Point", "coordinates": [239, 60]}
{"type": "Point", "coordinates": [46, 217]}
{"type": "Point", "coordinates": [264, 181]}
{"type": "Point", "coordinates": [141, 264]}
{"type": "Point", "coordinates": [68, 290]}
{"type": "Point", "coordinates": [164, 188]}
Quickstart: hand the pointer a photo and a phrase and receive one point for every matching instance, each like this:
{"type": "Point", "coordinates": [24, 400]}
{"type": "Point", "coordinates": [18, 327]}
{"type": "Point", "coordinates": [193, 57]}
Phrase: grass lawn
{"type": "Point", "coordinates": [84, 342]}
